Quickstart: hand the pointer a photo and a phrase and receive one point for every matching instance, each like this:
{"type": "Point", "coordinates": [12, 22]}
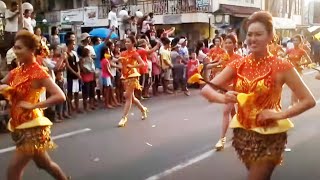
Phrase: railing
{"type": "Point", "coordinates": [179, 6]}
{"type": "Point", "coordinates": [161, 7]}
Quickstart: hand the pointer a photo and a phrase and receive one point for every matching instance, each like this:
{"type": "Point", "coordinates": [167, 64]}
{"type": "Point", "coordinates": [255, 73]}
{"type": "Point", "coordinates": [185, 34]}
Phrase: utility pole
{"type": "Point", "coordinates": [20, 18]}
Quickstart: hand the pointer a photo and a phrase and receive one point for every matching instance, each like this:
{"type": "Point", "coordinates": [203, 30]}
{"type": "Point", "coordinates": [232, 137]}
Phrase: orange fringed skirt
{"type": "Point", "coordinates": [33, 140]}
{"type": "Point", "coordinates": [253, 147]}
{"type": "Point", "coordinates": [132, 83]}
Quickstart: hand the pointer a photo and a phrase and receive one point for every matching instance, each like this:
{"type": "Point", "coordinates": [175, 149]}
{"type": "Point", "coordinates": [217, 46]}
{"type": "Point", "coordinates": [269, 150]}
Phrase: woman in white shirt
{"type": "Point", "coordinates": [200, 54]}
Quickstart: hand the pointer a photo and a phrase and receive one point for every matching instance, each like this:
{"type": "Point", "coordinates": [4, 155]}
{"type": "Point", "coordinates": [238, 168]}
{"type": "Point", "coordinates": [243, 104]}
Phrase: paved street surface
{"type": "Point", "coordinates": [174, 143]}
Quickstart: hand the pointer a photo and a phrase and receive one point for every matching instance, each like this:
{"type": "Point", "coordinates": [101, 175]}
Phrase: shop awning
{"type": "Point", "coordinates": [283, 23]}
{"type": "Point", "coordinates": [237, 11]}
{"type": "Point", "coordinates": [313, 28]}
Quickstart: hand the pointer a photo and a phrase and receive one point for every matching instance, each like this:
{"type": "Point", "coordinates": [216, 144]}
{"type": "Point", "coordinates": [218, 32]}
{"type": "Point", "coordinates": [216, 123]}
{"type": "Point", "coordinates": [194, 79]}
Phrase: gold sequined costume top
{"type": "Point", "coordinates": [257, 78]}
{"type": "Point", "coordinates": [20, 82]}
{"type": "Point", "coordinates": [130, 75]}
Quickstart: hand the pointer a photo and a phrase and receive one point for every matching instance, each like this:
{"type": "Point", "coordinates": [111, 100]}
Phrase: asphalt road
{"type": "Point", "coordinates": [175, 142]}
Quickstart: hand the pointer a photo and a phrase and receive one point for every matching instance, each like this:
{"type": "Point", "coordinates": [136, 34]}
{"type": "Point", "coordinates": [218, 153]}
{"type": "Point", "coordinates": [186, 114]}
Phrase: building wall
{"type": "Point", "coordinates": [314, 14]}
{"type": "Point", "coordinates": [247, 3]}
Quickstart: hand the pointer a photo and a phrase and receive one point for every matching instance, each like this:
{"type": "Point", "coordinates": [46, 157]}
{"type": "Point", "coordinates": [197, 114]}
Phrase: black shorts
{"type": "Point", "coordinates": [88, 89]}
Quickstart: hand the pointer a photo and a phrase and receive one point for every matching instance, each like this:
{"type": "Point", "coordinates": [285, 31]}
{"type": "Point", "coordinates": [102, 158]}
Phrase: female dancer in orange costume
{"type": "Point", "coordinates": [29, 128]}
{"type": "Point", "coordinates": [215, 54]}
{"type": "Point", "coordinates": [230, 44]}
{"type": "Point", "coordinates": [295, 56]}
{"type": "Point", "coordinates": [260, 125]}
{"type": "Point", "coordinates": [130, 61]}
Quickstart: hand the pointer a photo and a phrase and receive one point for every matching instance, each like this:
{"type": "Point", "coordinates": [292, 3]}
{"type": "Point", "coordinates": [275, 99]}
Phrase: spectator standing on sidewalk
{"type": "Point", "coordinates": [113, 19]}
{"type": "Point", "coordinates": [27, 21]}
{"type": "Point", "coordinates": [11, 28]}
{"type": "Point", "coordinates": [166, 64]}
{"type": "Point", "coordinates": [73, 76]}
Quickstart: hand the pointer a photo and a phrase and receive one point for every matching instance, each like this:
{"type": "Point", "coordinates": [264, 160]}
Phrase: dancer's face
{"type": "Point", "coordinates": [229, 45]}
{"type": "Point", "coordinates": [258, 37]}
{"type": "Point", "coordinates": [129, 44]}
{"type": "Point", "coordinates": [22, 52]}
{"type": "Point", "coordinates": [217, 42]}
{"type": "Point", "coordinates": [296, 42]}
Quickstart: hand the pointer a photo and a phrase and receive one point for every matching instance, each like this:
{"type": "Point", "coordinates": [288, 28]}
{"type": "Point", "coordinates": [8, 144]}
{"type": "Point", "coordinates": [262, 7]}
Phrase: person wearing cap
{"type": "Point", "coordinates": [183, 51]}
{"type": "Point", "coordinates": [85, 43]}
{"type": "Point", "coordinates": [178, 70]}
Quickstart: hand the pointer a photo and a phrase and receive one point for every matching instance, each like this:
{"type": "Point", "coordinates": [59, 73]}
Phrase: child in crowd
{"type": "Point", "coordinates": [106, 79]}
{"type": "Point", "coordinates": [62, 107]}
{"type": "Point", "coordinates": [88, 78]}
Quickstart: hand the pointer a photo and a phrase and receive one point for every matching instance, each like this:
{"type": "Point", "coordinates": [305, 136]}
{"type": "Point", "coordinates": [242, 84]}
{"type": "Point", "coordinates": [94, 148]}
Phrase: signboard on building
{"type": "Point", "coordinates": [202, 3]}
{"type": "Point", "coordinates": [90, 16]}
{"type": "Point", "coordinates": [172, 19]}
{"type": "Point", "coordinates": [72, 15]}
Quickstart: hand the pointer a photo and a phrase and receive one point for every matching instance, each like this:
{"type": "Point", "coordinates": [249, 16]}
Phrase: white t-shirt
{"type": "Point", "coordinates": [145, 26]}
{"type": "Point", "coordinates": [112, 16]}
{"type": "Point", "coordinates": [11, 25]}
{"type": "Point", "coordinates": [27, 23]}
{"type": "Point", "coordinates": [33, 23]}
{"type": "Point", "coordinates": [201, 56]}
{"type": "Point", "coordinates": [10, 56]}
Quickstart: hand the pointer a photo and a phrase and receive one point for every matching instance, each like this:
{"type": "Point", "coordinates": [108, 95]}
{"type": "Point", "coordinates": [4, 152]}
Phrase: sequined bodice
{"type": "Point", "coordinates": [216, 51]}
{"type": "Point", "coordinates": [274, 49]}
{"type": "Point", "coordinates": [295, 56]}
{"type": "Point", "coordinates": [128, 59]}
{"type": "Point", "coordinates": [21, 80]}
{"type": "Point", "coordinates": [257, 78]}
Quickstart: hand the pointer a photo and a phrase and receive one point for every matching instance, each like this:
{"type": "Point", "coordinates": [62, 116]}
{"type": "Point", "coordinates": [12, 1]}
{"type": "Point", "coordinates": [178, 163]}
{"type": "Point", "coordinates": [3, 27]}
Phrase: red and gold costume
{"type": "Point", "coordinates": [215, 52]}
{"type": "Point", "coordinates": [233, 57]}
{"type": "Point", "coordinates": [275, 49]}
{"type": "Point", "coordinates": [295, 57]}
{"type": "Point", "coordinates": [30, 129]}
{"type": "Point", "coordinates": [256, 78]}
{"type": "Point", "coordinates": [130, 75]}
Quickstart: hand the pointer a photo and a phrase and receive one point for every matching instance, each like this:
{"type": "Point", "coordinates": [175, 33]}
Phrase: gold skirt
{"type": "Point", "coordinates": [253, 147]}
{"type": "Point", "coordinates": [33, 140]}
{"type": "Point", "coordinates": [132, 83]}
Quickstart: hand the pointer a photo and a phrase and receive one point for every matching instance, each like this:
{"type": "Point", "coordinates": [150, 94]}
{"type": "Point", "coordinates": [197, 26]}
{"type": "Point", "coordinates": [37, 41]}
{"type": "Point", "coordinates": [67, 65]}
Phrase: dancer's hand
{"type": "Point", "coordinates": [268, 117]}
{"type": "Point", "coordinates": [26, 105]}
{"type": "Point", "coordinates": [130, 66]}
{"type": "Point", "coordinates": [230, 97]}
{"type": "Point", "coordinates": [3, 86]}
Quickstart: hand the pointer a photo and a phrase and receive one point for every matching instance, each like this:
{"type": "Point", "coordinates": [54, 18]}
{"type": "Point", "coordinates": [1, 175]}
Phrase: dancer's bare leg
{"type": "Point", "coordinates": [137, 102]}
{"type": "Point", "coordinates": [17, 165]}
{"type": "Point", "coordinates": [127, 106]}
{"type": "Point", "coordinates": [43, 161]}
{"type": "Point", "coordinates": [261, 171]}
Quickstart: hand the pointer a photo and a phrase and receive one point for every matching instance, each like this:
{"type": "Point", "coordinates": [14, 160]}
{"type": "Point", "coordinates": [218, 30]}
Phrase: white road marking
{"type": "Point", "coordinates": [185, 164]}
{"type": "Point", "coordinates": [71, 133]}
{"type": "Point", "coordinates": [12, 148]}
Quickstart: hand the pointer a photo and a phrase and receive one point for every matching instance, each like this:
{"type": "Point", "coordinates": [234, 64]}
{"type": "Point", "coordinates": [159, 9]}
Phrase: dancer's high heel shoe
{"type": "Point", "coordinates": [144, 113]}
{"type": "Point", "coordinates": [123, 121]}
{"type": "Point", "coordinates": [220, 144]}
